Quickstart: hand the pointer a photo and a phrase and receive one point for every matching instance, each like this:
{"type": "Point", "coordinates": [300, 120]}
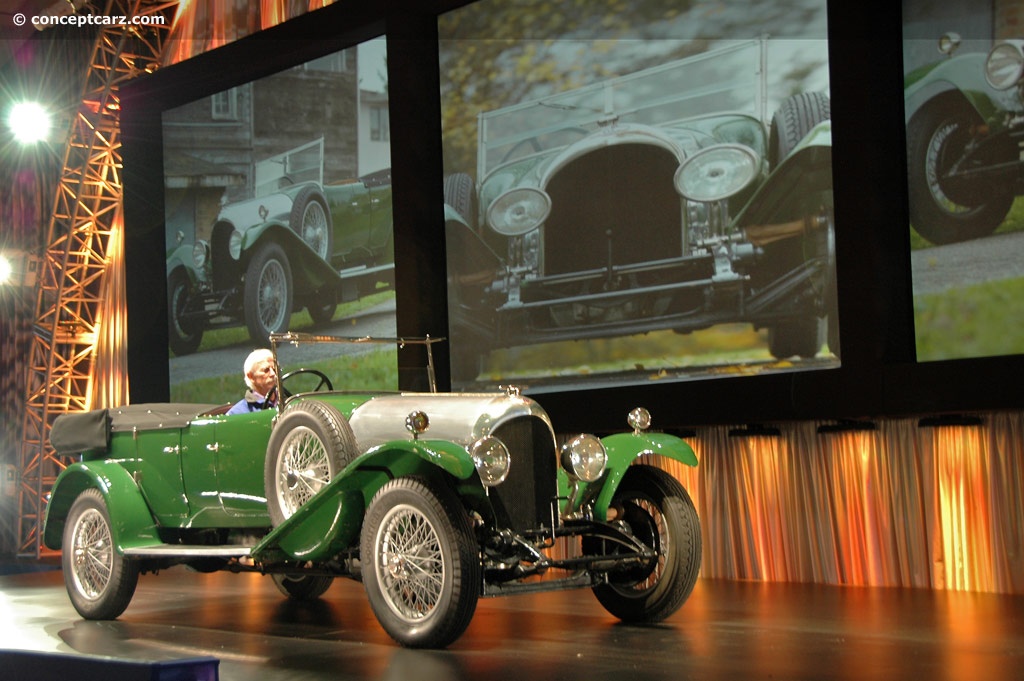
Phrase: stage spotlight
{"type": "Point", "coordinates": [6, 269]}
{"type": "Point", "coordinates": [18, 268]}
{"type": "Point", "coordinates": [29, 122]}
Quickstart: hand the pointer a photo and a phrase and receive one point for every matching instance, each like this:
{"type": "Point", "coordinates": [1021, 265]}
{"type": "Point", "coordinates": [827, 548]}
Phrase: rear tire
{"type": "Point", "coordinates": [99, 580]}
{"type": "Point", "coordinates": [302, 587]}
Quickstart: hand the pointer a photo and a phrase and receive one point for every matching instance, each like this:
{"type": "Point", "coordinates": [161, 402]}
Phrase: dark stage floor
{"type": "Point", "coordinates": [727, 630]}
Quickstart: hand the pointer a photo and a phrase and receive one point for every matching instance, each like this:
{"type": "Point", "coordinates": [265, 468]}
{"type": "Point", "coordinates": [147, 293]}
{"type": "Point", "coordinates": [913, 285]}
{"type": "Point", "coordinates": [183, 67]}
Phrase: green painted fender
{"type": "Point", "coordinates": [624, 448]}
{"type": "Point", "coordinates": [330, 522]}
{"type": "Point", "coordinates": [964, 75]}
{"type": "Point", "coordinates": [131, 521]}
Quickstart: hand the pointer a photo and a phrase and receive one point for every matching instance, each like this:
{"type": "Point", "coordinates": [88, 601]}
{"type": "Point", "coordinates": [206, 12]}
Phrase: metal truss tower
{"type": "Point", "coordinates": [83, 230]}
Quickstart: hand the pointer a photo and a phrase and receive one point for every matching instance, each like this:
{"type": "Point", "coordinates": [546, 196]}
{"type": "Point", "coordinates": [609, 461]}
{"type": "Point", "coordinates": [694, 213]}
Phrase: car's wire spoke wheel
{"type": "Point", "coordinates": [409, 565]}
{"type": "Point", "coordinates": [659, 513]}
{"type": "Point", "coordinates": [268, 292]}
{"type": "Point", "coordinates": [310, 445]}
{"type": "Point", "coordinates": [943, 210]}
{"type": "Point", "coordinates": [183, 336]}
{"type": "Point", "coordinates": [92, 554]}
{"type": "Point", "coordinates": [421, 565]}
{"type": "Point", "coordinates": [303, 470]}
{"type": "Point", "coordinates": [99, 580]}
{"type": "Point", "coordinates": [310, 219]}
{"type": "Point", "coordinates": [271, 295]}
{"type": "Point", "coordinates": [315, 228]}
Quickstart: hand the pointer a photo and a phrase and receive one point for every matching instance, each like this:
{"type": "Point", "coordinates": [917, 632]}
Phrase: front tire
{"type": "Point", "coordinates": [940, 211]}
{"type": "Point", "coordinates": [309, 446]}
{"type": "Point", "coordinates": [660, 513]}
{"type": "Point", "coordinates": [99, 580]}
{"type": "Point", "coordinates": [183, 336]}
{"type": "Point", "coordinates": [268, 292]}
{"type": "Point", "coordinates": [421, 564]}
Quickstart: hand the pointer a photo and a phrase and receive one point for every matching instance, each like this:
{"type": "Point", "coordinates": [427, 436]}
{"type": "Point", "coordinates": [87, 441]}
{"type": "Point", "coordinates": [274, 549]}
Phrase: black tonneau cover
{"type": "Point", "coordinates": [90, 430]}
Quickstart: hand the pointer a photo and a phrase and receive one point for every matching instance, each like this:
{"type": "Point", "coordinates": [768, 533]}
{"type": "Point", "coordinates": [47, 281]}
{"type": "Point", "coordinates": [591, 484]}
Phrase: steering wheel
{"type": "Point", "coordinates": [324, 384]}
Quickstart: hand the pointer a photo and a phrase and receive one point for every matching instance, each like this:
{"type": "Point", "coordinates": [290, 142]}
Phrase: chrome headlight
{"type": "Point", "coordinates": [492, 460]}
{"type": "Point", "coordinates": [200, 254]}
{"type": "Point", "coordinates": [639, 420]}
{"type": "Point", "coordinates": [1005, 65]}
{"type": "Point", "coordinates": [584, 457]}
{"type": "Point", "coordinates": [235, 245]}
{"type": "Point", "coordinates": [518, 211]}
{"type": "Point", "coordinates": [717, 172]}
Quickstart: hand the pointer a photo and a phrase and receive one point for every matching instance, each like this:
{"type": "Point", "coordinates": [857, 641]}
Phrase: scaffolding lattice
{"type": "Point", "coordinates": [86, 215]}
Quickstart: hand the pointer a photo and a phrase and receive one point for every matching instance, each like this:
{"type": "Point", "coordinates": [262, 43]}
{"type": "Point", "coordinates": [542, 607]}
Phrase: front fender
{"type": "Point", "coordinates": [330, 522]}
{"type": "Point", "coordinates": [965, 76]}
{"type": "Point", "coordinates": [452, 215]}
{"type": "Point", "coordinates": [181, 258]}
{"type": "Point", "coordinates": [131, 521]}
{"type": "Point", "coordinates": [624, 448]}
{"type": "Point", "coordinates": [309, 270]}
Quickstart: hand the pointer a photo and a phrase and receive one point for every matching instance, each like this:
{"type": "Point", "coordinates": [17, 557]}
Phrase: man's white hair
{"type": "Point", "coordinates": [257, 355]}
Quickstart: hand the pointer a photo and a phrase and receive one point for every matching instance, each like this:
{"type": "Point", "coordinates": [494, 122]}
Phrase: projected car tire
{"type": "Point", "coordinates": [183, 336]}
{"type": "Point", "coordinates": [795, 118]}
{"type": "Point", "coordinates": [268, 292]}
{"type": "Point", "coordinates": [940, 211]}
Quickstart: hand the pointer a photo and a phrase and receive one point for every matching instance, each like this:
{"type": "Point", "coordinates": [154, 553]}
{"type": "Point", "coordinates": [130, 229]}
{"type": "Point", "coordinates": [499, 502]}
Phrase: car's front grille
{"type": "Point", "coordinates": [632, 213]}
{"type": "Point", "coordinates": [523, 501]}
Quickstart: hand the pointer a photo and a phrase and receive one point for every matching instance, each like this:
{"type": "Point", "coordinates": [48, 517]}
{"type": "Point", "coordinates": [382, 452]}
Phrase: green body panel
{"type": "Point", "coordinates": [623, 450]}
{"type": "Point", "coordinates": [330, 521]}
{"type": "Point", "coordinates": [150, 458]}
{"type": "Point", "coordinates": [131, 522]}
{"type": "Point", "coordinates": [222, 470]}
{"type": "Point", "coordinates": [362, 222]}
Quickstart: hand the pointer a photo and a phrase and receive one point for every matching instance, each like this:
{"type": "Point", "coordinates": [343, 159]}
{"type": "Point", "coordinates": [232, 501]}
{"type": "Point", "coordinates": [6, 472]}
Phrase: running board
{"type": "Point", "coordinates": [187, 551]}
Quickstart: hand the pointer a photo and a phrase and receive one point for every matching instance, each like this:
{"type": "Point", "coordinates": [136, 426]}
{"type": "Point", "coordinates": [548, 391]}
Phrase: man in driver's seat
{"type": "Point", "coordinates": [260, 373]}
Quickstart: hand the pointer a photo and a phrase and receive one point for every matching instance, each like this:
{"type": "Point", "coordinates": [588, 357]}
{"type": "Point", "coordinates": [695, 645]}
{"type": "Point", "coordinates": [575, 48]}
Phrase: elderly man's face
{"type": "Point", "coordinates": [262, 376]}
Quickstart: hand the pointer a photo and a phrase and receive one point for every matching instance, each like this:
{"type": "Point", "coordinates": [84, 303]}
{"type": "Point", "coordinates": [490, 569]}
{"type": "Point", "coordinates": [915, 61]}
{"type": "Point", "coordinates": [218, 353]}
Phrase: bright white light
{"type": "Point", "coordinates": [5, 269]}
{"type": "Point", "coordinates": [29, 122]}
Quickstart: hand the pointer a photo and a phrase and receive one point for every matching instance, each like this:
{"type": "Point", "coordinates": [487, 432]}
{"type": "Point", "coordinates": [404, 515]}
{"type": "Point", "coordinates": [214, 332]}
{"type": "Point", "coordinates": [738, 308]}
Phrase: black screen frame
{"type": "Point", "coordinates": [879, 375]}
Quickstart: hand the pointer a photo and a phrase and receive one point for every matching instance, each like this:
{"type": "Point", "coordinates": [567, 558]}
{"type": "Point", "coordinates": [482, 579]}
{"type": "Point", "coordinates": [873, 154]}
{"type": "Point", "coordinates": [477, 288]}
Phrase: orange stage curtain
{"type": "Point", "coordinates": [900, 506]}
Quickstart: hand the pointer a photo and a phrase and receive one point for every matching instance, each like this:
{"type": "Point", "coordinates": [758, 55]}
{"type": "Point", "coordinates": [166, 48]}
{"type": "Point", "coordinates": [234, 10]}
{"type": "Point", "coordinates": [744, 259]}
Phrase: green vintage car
{"type": "Point", "coordinates": [307, 245]}
{"type": "Point", "coordinates": [432, 500]}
